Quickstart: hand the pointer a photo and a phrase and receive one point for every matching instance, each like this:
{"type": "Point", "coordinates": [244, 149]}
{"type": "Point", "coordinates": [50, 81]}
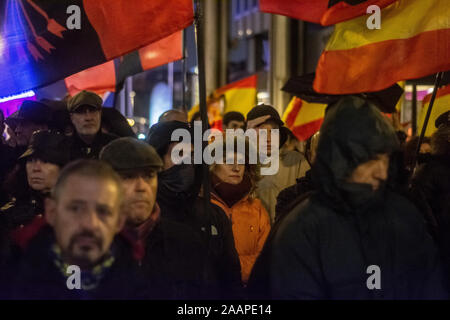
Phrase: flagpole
{"type": "Point", "coordinates": [199, 28]}
{"type": "Point", "coordinates": [184, 71]}
{"type": "Point", "coordinates": [437, 83]}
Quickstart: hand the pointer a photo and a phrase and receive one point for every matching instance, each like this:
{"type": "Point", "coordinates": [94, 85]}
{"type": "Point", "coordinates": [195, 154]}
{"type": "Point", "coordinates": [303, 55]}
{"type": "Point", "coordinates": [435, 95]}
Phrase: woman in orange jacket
{"type": "Point", "coordinates": [233, 189]}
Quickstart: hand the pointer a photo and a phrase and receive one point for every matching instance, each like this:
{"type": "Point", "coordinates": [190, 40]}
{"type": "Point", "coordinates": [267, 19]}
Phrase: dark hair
{"type": "Point", "coordinates": [232, 116]}
{"type": "Point", "coordinates": [166, 116]}
{"type": "Point", "coordinates": [440, 144]}
{"type": "Point", "coordinates": [410, 150]}
{"type": "Point", "coordinates": [89, 168]}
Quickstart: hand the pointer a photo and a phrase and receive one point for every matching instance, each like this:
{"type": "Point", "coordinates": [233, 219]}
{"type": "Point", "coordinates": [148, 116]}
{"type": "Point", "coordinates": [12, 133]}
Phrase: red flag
{"type": "Point", "coordinates": [325, 12]}
{"type": "Point", "coordinates": [38, 47]}
{"type": "Point", "coordinates": [102, 78]}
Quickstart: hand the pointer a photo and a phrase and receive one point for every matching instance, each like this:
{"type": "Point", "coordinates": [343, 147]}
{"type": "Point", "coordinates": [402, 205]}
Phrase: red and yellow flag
{"type": "Point", "coordinates": [441, 105]}
{"type": "Point", "coordinates": [325, 12]}
{"type": "Point", "coordinates": [240, 95]}
{"type": "Point", "coordinates": [102, 78]}
{"type": "Point", "coordinates": [413, 42]}
{"type": "Point", "coordinates": [304, 118]}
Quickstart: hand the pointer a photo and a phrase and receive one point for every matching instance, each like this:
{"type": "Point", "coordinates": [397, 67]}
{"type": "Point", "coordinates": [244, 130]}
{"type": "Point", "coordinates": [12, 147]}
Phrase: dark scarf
{"type": "Point", "coordinates": [231, 193]}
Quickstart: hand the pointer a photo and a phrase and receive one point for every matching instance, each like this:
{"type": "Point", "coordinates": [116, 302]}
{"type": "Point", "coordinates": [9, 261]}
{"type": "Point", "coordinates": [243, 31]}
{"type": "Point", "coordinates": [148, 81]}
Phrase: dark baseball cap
{"type": "Point", "coordinates": [32, 111]}
{"type": "Point", "coordinates": [84, 98]}
{"type": "Point", "coordinates": [443, 120]}
{"type": "Point", "coordinates": [233, 116]}
{"type": "Point", "coordinates": [49, 146]}
{"type": "Point", "coordinates": [160, 134]}
{"type": "Point", "coordinates": [129, 153]}
{"type": "Point", "coordinates": [265, 110]}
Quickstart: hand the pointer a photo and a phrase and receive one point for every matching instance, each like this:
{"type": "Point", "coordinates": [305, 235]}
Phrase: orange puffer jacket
{"type": "Point", "coordinates": [251, 226]}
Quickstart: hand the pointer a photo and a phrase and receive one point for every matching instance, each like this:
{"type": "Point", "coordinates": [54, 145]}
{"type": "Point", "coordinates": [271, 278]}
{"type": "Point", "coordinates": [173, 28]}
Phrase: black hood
{"type": "Point", "coordinates": [353, 132]}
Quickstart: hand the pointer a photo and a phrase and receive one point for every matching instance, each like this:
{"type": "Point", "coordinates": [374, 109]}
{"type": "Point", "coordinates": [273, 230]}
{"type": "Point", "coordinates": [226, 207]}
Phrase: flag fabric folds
{"type": "Point", "coordinates": [103, 77]}
{"type": "Point", "coordinates": [240, 95]}
{"type": "Point", "coordinates": [304, 118]}
{"type": "Point", "coordinates": [325, 12]}
{"type": "Point", "coordinates": [441, 105]}
{"type": "Point", "coordinates": [413, 42]}
{"type": "Point", "coordinates": [39, 46]}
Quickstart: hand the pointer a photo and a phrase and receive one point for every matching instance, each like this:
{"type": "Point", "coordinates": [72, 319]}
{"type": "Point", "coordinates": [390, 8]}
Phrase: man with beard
{"type": "Point", "coordinates": [178, 196]}
{"type": "Point", "coordinates": [84, 214]}
{"type": "Point", "coordinates": [85, 110]}
{"type": "Point", "coordinates": [354, 237]}
{"type": "Point", "coordinates": [170, 255]}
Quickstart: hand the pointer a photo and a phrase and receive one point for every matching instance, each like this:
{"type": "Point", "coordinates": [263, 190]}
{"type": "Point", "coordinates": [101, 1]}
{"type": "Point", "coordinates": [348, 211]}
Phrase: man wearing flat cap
{"type": "Point", "coordinates": [85, 110]}
{"type": "Point", "coordinates": [170, 255]}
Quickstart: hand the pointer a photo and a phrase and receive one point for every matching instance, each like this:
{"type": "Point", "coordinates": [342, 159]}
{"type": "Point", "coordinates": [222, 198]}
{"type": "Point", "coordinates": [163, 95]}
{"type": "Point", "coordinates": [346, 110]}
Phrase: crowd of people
{"type": "Point", "coordinates": [88, 211]}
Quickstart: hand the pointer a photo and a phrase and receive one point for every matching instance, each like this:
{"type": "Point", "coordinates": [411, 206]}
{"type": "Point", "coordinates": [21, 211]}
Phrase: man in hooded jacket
{"type": "Point", "coordinates": [353, 238]}
{"type": "Point", "coordinates": [178, 197]}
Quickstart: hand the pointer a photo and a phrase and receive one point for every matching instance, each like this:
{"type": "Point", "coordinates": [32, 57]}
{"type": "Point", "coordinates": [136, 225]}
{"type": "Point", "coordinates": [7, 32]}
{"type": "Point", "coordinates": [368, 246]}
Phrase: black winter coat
{"type": "Point", "coordinates": [324, 247]}
{"type": "Point", "coordinates": [214, 228]}
{"type": "Point", "coordinates": [174, 264]}
{"type": "Point", "coordinates": [36, 276]}
{"type": "Point", "coordinates": [80, 150]}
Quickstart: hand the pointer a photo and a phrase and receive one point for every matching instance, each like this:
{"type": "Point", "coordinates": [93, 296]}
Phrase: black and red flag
{"type": "Point", "coordinates": [324, 12]}
{"type": "Point", "coordinates": [38, 48]}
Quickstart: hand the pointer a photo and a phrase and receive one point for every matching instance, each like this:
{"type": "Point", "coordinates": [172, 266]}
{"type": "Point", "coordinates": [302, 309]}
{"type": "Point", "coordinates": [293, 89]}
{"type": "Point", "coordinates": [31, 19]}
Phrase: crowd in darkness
{"type": "Point", "coordinates": [77, 188]}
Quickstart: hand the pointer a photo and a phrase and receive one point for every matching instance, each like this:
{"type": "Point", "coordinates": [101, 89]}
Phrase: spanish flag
{"type": "Point", "coordinates": [104, 77]}
{"type": "Point", "coordinates": [413, 42]}
{"type": "Point", "coordinates": [304, 118]}
{"type": "Point", "coordinates": [239, 96]}
{"type": "Point", "coordinates": [45, 41]}
{"type": "Point", "coordinates": [441, 105]}
{"type": "Point", "coordinates": [325, 12]}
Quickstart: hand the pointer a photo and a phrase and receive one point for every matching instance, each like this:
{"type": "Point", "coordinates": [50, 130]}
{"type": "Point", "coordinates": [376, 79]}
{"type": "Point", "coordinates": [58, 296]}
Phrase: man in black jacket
{"type": "Point", "coordinates": [354, 238]}
{"type": "Point", "coordinates": [431, 190]}
{"type": "Point", "coordinates": [178, 196]}
{"type": "Point", "coordinates": [74, 259]}
{"type": "Point", "coordinates": [171, 256]}
{"type": "Point", "coordinates": [85, 110]}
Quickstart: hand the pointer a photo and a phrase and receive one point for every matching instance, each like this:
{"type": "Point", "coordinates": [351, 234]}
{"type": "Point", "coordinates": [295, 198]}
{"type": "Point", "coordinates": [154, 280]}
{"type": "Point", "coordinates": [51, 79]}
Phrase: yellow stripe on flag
{"type": "Point", "coordinates": [303, 118]}
{"type": "Point", "coordinates": [401, 20]}
{"type": "Point", "coordinates": [240, 99]}
{"type": "Point", "coordinates": [414, 41]}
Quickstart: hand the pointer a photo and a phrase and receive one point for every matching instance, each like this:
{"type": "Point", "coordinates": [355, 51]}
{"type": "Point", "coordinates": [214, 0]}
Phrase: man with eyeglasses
{"type": "Point", "coordinates": [85, 110]}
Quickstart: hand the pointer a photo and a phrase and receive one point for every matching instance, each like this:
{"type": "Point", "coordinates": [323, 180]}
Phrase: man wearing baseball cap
{"type": "Point", "coordinates": [170, 255]}
{"type": "Point", "coordinates": [85, 110]}
{"type": "Point", "coordinates": [292, 164]}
